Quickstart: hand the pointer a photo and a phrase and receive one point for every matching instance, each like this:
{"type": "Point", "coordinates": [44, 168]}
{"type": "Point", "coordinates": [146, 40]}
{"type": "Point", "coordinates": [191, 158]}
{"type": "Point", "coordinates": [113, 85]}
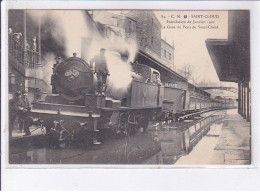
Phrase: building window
{"type": "Point", "coordinates": [170, 56]}
{"type": "Point", "coordinates": [152, 21]}
{"type": "Point", "coordinates": [165, 53]}
{"type": "Point", "coordinates": [152, 40]}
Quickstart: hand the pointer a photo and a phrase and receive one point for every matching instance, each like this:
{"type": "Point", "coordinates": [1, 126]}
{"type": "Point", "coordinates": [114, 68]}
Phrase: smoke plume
{"type": "Point", "coordinates": [69, 27]}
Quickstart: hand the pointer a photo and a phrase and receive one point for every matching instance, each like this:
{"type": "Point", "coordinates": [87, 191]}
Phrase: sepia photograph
{"type": "Point", "coordinates": [128, 87]}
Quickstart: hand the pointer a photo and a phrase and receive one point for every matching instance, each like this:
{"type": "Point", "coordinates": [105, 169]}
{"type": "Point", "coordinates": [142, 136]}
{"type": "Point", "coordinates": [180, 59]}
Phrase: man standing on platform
{"type": "Point", "coordinates": [23, 113]}
{"type": "Point", "coordinates": [13, 111]}
{"type": "Point", "coordinates": [101, 70]}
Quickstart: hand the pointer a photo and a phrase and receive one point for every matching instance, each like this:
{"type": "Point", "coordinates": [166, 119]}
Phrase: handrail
{"type": "Point", "coordinates": [15, 48]}
{"type": "Point", "coordinates": [26, 56]}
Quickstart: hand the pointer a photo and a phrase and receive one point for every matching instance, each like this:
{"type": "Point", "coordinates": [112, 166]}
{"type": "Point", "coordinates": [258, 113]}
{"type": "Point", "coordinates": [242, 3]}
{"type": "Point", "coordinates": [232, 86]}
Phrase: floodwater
{"type": "Point", "coordinates": [161, 143]}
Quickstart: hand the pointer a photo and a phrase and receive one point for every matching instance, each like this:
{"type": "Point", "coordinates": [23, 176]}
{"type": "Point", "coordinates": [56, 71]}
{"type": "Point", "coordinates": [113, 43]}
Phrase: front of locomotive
{"type": "Point", "coordinates": [65, 112]}
{"type": "Point", "coordinates": [72, 78]}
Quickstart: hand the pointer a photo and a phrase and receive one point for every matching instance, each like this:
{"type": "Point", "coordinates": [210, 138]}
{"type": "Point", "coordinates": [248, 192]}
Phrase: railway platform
{"type": "Point", "coordinates": [225, 144]}
{"type": "Point", "coordinates": [233, 146]}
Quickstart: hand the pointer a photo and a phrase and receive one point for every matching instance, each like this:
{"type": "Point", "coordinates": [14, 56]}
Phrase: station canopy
{"type": "Point", "coordinates": [231, 57]}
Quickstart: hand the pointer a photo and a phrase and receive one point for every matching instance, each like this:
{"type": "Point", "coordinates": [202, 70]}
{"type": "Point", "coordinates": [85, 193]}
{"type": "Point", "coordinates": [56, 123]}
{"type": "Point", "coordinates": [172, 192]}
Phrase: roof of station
{"type": "Point", "coordinates": [231, 57]}
{"type": "Point", "coordinates": [152, 62]}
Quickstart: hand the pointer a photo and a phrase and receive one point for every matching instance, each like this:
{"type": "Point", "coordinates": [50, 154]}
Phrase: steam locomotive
{"type": "Point", "coordinates": [76, 113]}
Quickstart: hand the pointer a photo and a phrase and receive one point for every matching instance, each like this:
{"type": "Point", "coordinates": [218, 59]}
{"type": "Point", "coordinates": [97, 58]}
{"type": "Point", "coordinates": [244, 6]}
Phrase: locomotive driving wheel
{"type": "Point", "coordinates": [127, 124]}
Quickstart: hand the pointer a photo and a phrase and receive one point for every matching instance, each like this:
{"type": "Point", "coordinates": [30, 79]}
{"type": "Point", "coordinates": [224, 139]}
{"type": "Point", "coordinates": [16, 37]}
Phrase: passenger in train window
{"type": "Point", "coordinates": [158, 80]}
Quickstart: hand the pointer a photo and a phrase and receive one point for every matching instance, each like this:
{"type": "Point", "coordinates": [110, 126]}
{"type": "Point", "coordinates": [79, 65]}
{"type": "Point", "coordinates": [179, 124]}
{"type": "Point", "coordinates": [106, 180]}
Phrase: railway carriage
{"type": "Point", "coordinates": [173, 102]}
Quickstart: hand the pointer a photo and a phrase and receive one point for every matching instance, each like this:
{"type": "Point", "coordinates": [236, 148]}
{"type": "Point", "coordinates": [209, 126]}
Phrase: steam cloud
{"type": "Point", "coordinates": [69, 27]}
{"type": "Point", "coordinates": [47, 68]}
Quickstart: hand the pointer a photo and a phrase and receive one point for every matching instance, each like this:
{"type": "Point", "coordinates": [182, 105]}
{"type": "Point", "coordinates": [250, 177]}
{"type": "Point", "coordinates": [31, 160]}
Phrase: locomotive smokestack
{"type": "Point", "coordinates": [57, 60]}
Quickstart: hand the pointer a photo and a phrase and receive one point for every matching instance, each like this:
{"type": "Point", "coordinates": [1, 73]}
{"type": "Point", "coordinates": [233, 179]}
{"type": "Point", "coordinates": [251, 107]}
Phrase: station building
{"type": "Point", "coordinates": [148, 32]}
{"type": "Point", "coordinates": [153, 51]}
